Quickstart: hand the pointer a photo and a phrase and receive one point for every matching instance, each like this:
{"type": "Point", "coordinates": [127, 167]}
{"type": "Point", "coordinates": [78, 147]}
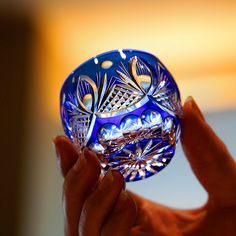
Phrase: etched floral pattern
{"type": "Point", "coordinates": [137, 144]}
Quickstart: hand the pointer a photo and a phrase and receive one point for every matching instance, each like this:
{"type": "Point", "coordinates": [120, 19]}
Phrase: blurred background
{"type": "Point", "coordinates": [43, 41]}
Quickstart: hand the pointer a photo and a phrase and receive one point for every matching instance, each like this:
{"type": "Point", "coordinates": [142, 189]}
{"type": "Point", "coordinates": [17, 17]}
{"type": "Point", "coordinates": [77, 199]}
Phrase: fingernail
{"type": "Point", "coordinates": [107, 180]}
{"type": "Point", "coordinates": [55, 146]}
{"type": "Point", "coordinates": [191, 102]}
{"type": "Point", "coordinates": [56, 151]}
{"type": "Point", "coordinates": [81, 162]}
{"type": "Point", "coordinates": [121, 201]}
{"type": "Point", "coordinates": [58, 159]}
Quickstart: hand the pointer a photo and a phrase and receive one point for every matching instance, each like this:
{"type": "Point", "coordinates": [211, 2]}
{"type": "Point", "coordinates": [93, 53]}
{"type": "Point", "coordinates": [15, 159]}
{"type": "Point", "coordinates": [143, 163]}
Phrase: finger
{"type": "Point", "coordinates": [208, 156]}
{"type": "Point", "coordinates": [79, 181]}
{"type": "Point", "coordinates": [122, 218]}
{"type": "Point", "coordinates": [100, 203]}
{"type": "Point", "coordinates": [66, 153]}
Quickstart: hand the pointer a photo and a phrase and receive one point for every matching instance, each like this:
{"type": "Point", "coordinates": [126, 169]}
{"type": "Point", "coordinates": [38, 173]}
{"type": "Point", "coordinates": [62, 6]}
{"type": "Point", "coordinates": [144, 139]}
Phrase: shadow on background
{"type": "Point", "coordinates": [17, 35]}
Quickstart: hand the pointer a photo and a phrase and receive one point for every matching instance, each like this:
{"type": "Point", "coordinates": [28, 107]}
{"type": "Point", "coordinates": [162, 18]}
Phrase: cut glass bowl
{"type": "Point", "coordinates": [124, 105]}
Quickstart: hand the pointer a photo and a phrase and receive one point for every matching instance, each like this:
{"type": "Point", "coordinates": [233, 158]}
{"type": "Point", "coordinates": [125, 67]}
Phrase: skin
{"type": "Point", "coordinates": [95, 206]}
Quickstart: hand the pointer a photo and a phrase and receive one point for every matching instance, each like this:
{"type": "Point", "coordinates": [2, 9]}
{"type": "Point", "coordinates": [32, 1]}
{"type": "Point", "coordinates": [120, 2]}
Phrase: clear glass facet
{"type": "Point", "coordinates": [124, 105]}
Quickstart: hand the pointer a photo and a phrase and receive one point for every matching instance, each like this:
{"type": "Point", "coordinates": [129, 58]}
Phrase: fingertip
{"type": "Point", "coordinates": [66, 153]}
{"type": "Point", "coordinates": [113, 179]}
{"type": "Point", "coordinates": [193, 122]}
{"type": "Point", "coordinates": [92, 161]}
{"type": "Point", "coordinates": [188, 101]}
{"type": "Point", "coordinates": [206, 152]}
{"type": "Point", "coordinates": [191, 109]}
{"type": "Point", "coordinates": [89, 154]}
{"type": "Point", "coordinates": [57, 140]}
{"type": "Point", "coordinates": [62, 143]}
{"type": "Point", "coordinates": [118, 178]}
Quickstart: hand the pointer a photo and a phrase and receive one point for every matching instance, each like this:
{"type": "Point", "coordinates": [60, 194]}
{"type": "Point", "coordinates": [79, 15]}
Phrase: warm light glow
{"type": "Point", "coordinates": [196, 41]}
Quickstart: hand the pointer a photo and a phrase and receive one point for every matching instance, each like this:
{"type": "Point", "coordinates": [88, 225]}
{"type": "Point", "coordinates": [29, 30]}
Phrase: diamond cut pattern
{"type": "Point", "coordinates": [80, 125]}
{"type": "Point", "coordinates": [120, 97]}
{"type": "Point", "coordinates": [168, 100]}
{"type": "Point", "coordinates": [92, 98]}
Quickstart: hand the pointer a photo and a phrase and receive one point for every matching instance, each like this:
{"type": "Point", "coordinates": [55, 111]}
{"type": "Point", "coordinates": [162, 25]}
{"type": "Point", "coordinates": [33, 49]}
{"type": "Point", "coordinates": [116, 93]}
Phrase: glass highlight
{"type": "Point", "coordinates": [124, 105]}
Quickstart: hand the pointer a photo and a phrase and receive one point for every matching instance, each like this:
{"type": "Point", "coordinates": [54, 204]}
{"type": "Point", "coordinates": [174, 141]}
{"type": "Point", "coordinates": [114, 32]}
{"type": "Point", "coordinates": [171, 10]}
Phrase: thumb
{"type": "Point", "coordinates": [208, 156]}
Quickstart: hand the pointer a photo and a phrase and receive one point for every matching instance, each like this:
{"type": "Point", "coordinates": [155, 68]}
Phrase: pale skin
{"type": "Point", "coordinates": [95, 206]}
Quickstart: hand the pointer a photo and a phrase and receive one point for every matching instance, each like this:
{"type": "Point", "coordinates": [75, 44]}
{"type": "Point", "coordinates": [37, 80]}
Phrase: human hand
{"type": "Point", "coordinates": [92, 206]}
{"type": "Point", "coordinates": [96, 206]}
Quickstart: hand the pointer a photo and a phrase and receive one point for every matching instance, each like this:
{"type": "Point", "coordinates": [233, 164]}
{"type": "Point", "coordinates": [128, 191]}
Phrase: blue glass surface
{"type": "Point", "coordinates": [124, 105]}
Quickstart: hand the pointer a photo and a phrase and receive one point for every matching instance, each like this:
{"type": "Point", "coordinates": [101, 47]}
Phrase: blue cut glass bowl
{"type": "Point", "coordinates": [124, 105]}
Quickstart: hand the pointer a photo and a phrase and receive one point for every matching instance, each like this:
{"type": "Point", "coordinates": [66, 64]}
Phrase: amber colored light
{"type": "Point", "coordinates": [196, 41]}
